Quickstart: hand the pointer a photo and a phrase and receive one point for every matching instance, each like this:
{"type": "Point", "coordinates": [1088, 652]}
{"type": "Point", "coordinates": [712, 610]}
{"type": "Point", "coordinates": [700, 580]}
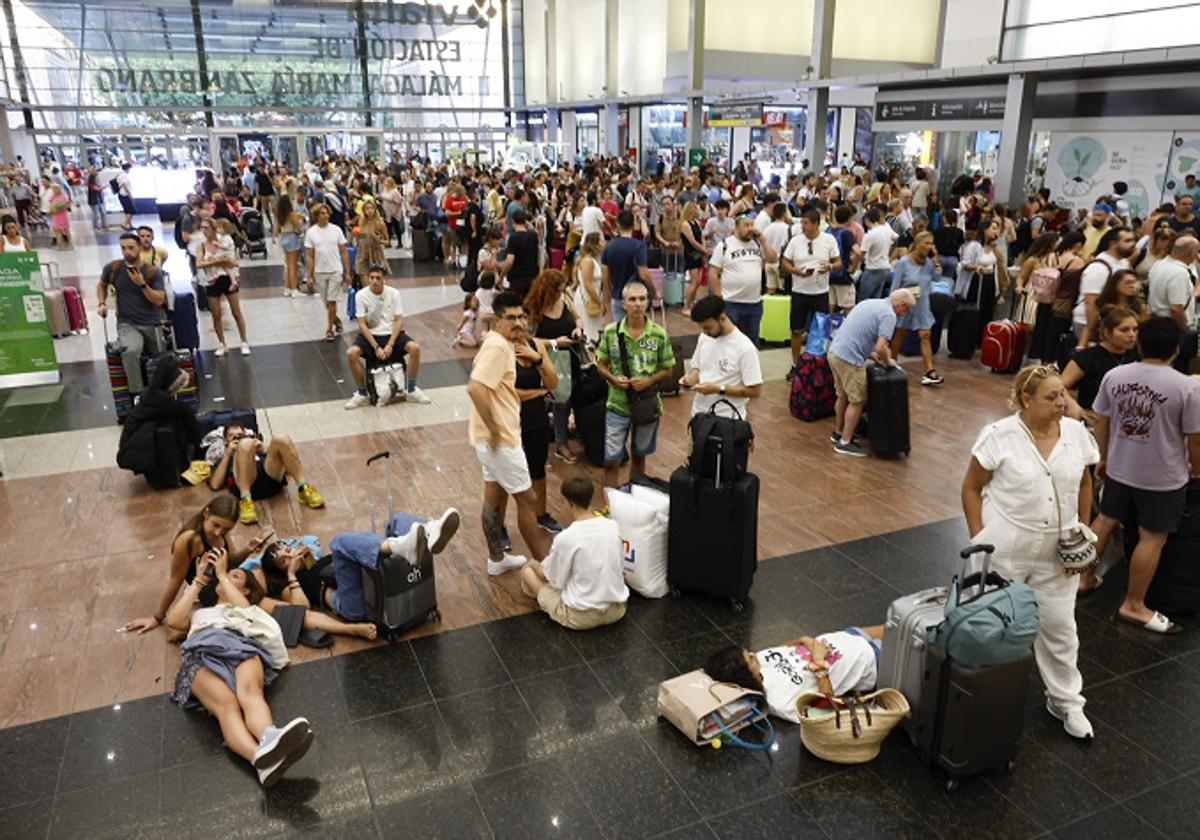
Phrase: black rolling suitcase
{"type": "Point", "coordinates": [424, 246]}
{"type": "Point", "coordinates": [964, 327]}
{"type": "Point", "coordinates": [887, 400]}
{"type": "Point", "coordinates": [1176, 584]}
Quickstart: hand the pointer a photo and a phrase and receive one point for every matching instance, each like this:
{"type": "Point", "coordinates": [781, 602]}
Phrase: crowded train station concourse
{"type": "Point", "coordinates": [599, 418]}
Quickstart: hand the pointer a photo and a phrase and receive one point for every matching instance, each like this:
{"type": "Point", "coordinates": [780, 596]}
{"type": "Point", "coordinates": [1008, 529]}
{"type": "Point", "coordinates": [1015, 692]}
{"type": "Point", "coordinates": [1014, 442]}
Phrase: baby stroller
{"type": "Point", "coordinates": [256, 234]}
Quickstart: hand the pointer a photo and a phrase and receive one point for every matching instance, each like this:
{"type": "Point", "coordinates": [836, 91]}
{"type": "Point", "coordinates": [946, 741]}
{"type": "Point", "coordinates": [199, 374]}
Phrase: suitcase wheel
{"type": "Point", "coordinates": [737, 606]}
{"type": "Point", "coordinates": [434, 615]}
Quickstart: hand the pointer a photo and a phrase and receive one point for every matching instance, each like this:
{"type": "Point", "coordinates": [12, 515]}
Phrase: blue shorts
{"type": "Point", "coordinates": [616, 432]}
{"type": "Point", "coordinates": [875, 645]}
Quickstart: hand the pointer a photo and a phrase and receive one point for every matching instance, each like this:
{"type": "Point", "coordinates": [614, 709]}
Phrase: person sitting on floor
{"type": "Point", "coordinates": [580, 584]}
{"type": "Point", "coordinates": [336, 581]}
{"type": "Point", "coordinates": [233, 649]}
{"type": "Point", "coordinates": [254, 470]}
{"type": "Point", "coordinates": [833, 664]}
{"type": "Point", "coordinates": [161, 433]}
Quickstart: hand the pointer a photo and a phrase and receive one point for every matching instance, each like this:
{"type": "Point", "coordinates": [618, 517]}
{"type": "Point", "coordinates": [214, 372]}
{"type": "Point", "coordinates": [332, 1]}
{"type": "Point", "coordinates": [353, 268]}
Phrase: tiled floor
{"type": "Point", "coordinates": [494, 723]}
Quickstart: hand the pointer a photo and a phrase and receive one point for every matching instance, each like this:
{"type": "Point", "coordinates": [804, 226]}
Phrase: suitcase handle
{"type": "Point", "coordinates": [382, 456]}
{"type": "Point", "coordinates": [966, 554]}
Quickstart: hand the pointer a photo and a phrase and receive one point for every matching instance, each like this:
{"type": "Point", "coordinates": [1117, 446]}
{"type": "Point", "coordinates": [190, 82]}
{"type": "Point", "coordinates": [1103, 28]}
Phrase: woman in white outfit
{"type": "Point", "coordinates": [588, 280]}
{"type": "Point", "coordinates": [1021, 467]}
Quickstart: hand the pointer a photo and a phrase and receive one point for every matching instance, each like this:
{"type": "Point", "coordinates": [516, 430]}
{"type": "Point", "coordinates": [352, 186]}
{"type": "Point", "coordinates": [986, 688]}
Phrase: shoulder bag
{"type": "Point", "coordinates": [1077, 546]}
{"type": "Point", "coordinates": [643, 405]}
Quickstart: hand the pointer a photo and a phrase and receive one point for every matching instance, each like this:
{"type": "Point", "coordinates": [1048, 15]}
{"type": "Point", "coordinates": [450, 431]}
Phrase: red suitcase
{"type": "Point", "coordinates": [557, 257]}
{"type": "Point", "coordinates": [76, 313]}
{"type": "Point", "coordinates": [1004, 346]}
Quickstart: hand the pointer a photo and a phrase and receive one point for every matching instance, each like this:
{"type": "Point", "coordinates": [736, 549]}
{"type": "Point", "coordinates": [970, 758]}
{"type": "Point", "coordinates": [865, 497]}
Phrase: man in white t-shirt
{"type": "Point", "coordinates": [777, 235]}
{"type": "Point", "coordinates": [764, 215]}
{"type": "Point", "coordinates": [1114, 250]}
{"type": "Point", "coordinates": [591, 220]}
{"type": "Point", "coordinates": [809, 258]}
{"type": "Point", "coordinates": [836, 664]}
{"type": "Point", "coordinates": [877, 248]}
{"type": "Point", "coordinates": [328, 265]}
{"type": "Point", "coordinates": [725, 365]}
{"type": "Point", "coordinates": [380, 333]}
{"type": "Point", "coordinates": [735, 274]}
{"type": "Point", "coordinates": [1173, 284]}
{"type": "Point", "coordinates": [580, 584]}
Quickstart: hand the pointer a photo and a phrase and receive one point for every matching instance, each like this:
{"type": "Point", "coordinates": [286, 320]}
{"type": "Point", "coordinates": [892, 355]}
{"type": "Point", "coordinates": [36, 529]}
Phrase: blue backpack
{"type": "Point", "coordinates": [992, 627]}
{"type": "Point", "coordinates": [845, 242]}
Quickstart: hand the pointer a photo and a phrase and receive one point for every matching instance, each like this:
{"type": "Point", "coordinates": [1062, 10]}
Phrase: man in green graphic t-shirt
{"type": "Point", "coordinates": [634, 356]}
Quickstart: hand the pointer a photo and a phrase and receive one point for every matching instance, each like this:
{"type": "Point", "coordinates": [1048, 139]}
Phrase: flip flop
{"type": "Point", "coordinates": [1091, 590]}
{"type": "Point", "coordinates": [1159, 623]}
{"type": "Point", "coordinates": [315, 639]}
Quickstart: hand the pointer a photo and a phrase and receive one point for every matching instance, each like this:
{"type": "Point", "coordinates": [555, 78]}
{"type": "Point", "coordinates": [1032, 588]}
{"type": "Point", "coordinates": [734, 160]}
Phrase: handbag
{"type": "Point", "coordinates": [389, 382]}
{"type": "Point", "coordinates": [849, 730]}
{"type": "Point", "coordinates": [1076, 547]}
{"type": "Point", "coordinates": [711, 713]}
{"type": "Point", "coordinates": [643, 405]}
{"type": "Point", "coordinates": [561, 357]}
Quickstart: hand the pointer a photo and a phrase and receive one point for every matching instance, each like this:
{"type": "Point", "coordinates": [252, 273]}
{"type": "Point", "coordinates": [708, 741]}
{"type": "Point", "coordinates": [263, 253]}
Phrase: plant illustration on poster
{"type": "Point", "coordinates": [26, 347]}
{"type": "Point", "coordinates": [1082, 168]}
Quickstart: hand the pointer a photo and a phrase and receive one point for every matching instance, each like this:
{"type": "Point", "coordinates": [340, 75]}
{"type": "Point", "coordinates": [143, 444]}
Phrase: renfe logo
{"type": "Point", "coordinates": [627, 552]}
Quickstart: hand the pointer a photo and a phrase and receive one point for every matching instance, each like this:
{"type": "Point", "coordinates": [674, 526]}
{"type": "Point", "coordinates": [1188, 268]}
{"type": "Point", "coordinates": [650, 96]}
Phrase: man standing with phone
{"type": "Point", "coordinates": [141, 311]}
{"type": "Point", "coordinates": [809, 258]}
{"type": "Point", "coordinates": [736, 271]}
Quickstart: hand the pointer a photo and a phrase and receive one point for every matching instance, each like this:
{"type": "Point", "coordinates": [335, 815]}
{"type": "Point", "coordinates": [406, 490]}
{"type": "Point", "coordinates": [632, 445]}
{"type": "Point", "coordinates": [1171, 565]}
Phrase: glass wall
{"type": "Point", "coordinates": [947, 154]}
{"type": "Point", "coordinates": [1052, 28]}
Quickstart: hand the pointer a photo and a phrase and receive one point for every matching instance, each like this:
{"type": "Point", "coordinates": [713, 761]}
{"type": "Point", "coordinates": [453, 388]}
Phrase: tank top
{"type": "Point", "coordinates": [533, 412]}
{"type": "Point", "coordinates": [559, 327]}
{"type": "Point", "coordinates": [14, 247]}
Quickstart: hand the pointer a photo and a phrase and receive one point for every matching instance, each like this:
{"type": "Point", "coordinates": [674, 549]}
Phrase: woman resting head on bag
{"type": "Point", "coordinates": [834, 664]}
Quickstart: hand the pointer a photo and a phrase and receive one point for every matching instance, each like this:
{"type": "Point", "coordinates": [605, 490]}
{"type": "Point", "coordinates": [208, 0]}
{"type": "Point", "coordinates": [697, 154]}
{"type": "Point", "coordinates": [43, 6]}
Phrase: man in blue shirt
{"type": "Point", "coordinates": [867, 332]}
{"type": "Point", "coordinates": [624, 259]}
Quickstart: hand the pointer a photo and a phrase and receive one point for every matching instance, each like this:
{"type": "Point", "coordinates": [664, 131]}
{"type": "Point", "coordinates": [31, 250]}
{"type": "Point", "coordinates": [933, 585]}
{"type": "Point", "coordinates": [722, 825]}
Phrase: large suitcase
{"type": "Point", "coordinates": [76, 312]}
{"type": "Point", "coordinates": [557, 257]}
{"type": "Point", "coordinates": [657, 280]}
{"type": "Point", "coordinates": [776, 322]}
{"type": "Point", "coordinates": [673, 279]}
{"type": "Point", "coordinates": [905, 633]}
{"type": "Point", "coordinates": [712, 539]}
{"type": "Point", "coordinates": [964, 330]}
{"type": "Point", "coordinates": [399, 593]}
{"type": "Point", "coordinates": [56, 303]}
{"type": "Point", "coordinates": [424, 246]}
{"type": "Point", "coordinates": [184, 322]}
{"type": "Point", "coordinates": [1004, 344]}
{"type": "Point", "coordinates": [812, 396]}
{"type": "Point", "coordinates": [1176, 583]}
{"type": "Point", "coordinates": [887, 400]}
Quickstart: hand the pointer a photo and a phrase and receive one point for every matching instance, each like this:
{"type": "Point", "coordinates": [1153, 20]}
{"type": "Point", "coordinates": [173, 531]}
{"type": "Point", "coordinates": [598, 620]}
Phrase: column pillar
{"type": "Point", "coordinates": [6, 144]}
{"type": "Point", "coordinates": [818, 97]}
{"type": "Point", "coordinates": [569, 134]}
{"type": "Point", "coordinates": [1014, 139]}
{"type": "Point", "coordinates": [551, 125]}
{"type": "Point", "coordinates": [695, 80]}
{"type": "Point", "coordinates": [551, 50]}
{"type": "Point", "coordinates": [695, 122]}
{"type": "Point", "coordinates": [611, 117]}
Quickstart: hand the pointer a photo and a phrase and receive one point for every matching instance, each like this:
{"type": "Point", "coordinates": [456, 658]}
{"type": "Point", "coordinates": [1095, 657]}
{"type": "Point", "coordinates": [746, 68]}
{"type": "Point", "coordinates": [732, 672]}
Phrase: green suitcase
{"type": "Point", "coordinates": [776, 318]}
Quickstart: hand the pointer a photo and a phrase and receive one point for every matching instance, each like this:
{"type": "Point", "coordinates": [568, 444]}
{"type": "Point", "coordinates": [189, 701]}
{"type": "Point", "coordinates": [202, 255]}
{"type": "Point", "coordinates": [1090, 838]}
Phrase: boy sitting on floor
{"type": "Point", "coordinates": [580, 584]}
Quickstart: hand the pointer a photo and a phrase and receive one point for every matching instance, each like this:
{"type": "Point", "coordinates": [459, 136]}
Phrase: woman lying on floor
{"type": "Point", "coordinates": [836, 664]}
{"type": "Point", "coordinates": [233, 649]}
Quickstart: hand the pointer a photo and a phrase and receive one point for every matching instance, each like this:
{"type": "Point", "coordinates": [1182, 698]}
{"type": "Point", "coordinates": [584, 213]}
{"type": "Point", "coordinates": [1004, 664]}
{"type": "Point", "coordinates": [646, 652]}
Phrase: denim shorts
{"type": "Point", "coordinates": [616, 432]}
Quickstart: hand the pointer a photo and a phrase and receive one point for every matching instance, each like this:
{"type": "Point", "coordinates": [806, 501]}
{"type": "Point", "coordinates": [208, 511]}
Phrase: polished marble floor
{"type": "Point", "coordinates": [495, 723]}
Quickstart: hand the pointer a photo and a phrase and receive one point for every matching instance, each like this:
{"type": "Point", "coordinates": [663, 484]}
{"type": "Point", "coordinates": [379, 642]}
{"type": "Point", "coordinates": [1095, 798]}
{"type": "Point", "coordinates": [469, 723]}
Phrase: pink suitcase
{"type": "Point", "coordinates": [76, 313]}
{"type": "Point", "coordinates": [1004, 346]}
{"type": "Point", "coordinates": [557, 257]}
{"type": "Point", "coordinates": [657, 278]}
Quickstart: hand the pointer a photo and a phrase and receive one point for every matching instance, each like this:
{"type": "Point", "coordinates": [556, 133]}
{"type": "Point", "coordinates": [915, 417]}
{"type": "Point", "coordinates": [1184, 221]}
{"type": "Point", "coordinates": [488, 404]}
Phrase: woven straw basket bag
{"type": "Point", "coordinates": [853, 730]}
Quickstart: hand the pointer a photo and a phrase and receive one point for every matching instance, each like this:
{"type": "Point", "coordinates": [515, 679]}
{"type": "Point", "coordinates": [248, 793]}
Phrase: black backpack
{"type": "Point", "coordinates": [185, 217]}
{"type": "Point", "coordinates": [720, 445]}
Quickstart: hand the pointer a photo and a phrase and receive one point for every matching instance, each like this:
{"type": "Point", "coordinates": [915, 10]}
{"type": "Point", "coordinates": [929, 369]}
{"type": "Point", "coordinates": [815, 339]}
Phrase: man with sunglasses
{"type": "Point", "coordinates": [809, 258]}
{"type": "Point", "coordinates": [494, 430]}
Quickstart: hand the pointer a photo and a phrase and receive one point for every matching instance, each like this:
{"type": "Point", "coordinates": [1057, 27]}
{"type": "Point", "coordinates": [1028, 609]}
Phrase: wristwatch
{"type": "Point", "coordinates": [721, 390]}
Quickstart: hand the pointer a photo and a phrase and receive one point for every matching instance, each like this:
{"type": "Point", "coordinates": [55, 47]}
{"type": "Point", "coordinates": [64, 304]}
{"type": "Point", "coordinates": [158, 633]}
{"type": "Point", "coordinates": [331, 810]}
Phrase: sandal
{"type": "Point", "coordinates": [1158, 623]}
{"type": "Point", "coordinates": [1091, 590]}
{"type": "Point", "coordinates": [329, 335]}
{"type": "Point", "coordinates": [564, 454]}
{"type": "Point", "coordinates": [337, 326]}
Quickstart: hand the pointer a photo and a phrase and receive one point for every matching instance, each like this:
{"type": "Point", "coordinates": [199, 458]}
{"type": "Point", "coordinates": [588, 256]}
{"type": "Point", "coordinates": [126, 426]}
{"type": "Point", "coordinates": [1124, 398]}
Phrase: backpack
{"type": "Point", "coordinates": [1024, 238]}
{"type": "Point", "coordinates": [993, 626]}
{"type": "Point", "coordinates": [114, 186]}
{"type": "Point", "coordinates": [1066, 297]}
{"type": "Point", "coordinates": [720, 445]}
{"type": "Point", "coordinates": [185, 216]}
{"type": "Point", "coordinates": [1043, 282]}
{"type": "Point", "coordinates": [845, 243]}
{"type": "Point", "coordinates": [812, 396]}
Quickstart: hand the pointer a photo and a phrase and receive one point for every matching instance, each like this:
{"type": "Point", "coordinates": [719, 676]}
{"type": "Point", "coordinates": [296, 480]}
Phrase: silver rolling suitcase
{"type": "Point", "coordinates": [902, 660]}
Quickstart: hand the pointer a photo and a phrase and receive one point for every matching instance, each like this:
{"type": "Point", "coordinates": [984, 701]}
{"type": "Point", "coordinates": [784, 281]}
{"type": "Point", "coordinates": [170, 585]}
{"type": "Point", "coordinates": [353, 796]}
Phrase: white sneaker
{"type": "Point", "coordinates": [357, 401]}
{"type": "Point", "coordinates": [440, 530]}
{"type": "Point", "coordinates": [406, 546]}
{"type": "Point", "coordinates": [220, 351]}
{"type": "Point", "coordinates": [245, 349]}
{"type": "Point", "coordinates": [418, 396]}
{"type": "Point", "coordinates": [268, 776]}
{"type": "Point", "coordinates": [278, 742]}
{"type": "Point", "coordinates": [510, 562]}
{"type": "Point", "coordinates": [1075, 722]}
{"type": "Point", "coordinates": [287, 292]}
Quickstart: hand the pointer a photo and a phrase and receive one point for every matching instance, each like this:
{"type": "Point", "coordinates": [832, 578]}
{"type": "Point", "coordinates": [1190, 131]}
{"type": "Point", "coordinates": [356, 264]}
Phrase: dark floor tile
{"type": "Point", "coordinates": [571, 706]}
{"type": "Point", "coordinates": [1174, 683]}
{"type": "Point", "coordinates": [447, 813]}
{"type": "Point", "coordinates": [972, 810]}
{"type": "Point", "coordinates": [1111, 762]}
{"type": "Point", "coordinates": [857, 806]}
{"type": "Point", "coordinates": [866, 608]}
{"type": "Point", "coordinates": [532, 644]}
{"type": "Point", "coordinates": [312, 691]}
{"type": "Point", "coordinates": [696, 831]}
{"type": "Point", "coordinates": [380, 680]}
{"type": "Point", "coordinates": [1115, 823]}
{"type": "Point", "coordinates": [30, 759]}
{"type": "Point", "coordinates": [1101, 639]}
{"type": "Point", "coordinates": [120, 810]}
{"type": "Point", "coordinates": [711, 778]}
{"type": "Point", "coordinates": [326, 786]}
{"type": "Point", "coordinates": [219, 796]}
{"type": "Point", "coordinates": [30, 821]}
{"type": "Point", "coordinates": [757, 635]}
{"type": "Point", "coordinates": [833, 572]}
{"type": "Point", "coordinates": [1163, 731]}
{"type": "Point", "coordinates": [493, 729]}
{"type": "Point", "coordinates": [536, 800]}
{"type": "Point", "coordinates": [113, 743]}
{"type": "Point", "coordinates": [778, 817]}
{"type": "Point", "coordinates": [611, 640]}
{"type": "Point", "coordinates": [632, 680]}
{"type": "Point", "coordinates": [1172, 808]}
{"type": "Point", "coordinates": [887, 561]}
{"type": "Point", "coordinates": [360, 828]}
{"type": "Point", "coordinates": [626, 788]}
{"type": "Point", "coordinates": [404, 754]}
{"type": "Point", "coordinates": [692, 652]}
{"type": "Point", "coordinates": [667, 619]}
{"type": "Point", "coordinates": [794, 766]}
{"type": "Point", "coordinates": [1047, 789]}
{"type": "Point", "coordinates": [189, 735]}
{"type": "Point", "coordinates": [459, 661]}
{"type": "Point", "coordinates": [778, 594]}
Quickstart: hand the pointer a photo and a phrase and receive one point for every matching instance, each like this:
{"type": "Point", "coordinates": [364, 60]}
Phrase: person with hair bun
{"type": "Point", "coordinates": [1027, 482]}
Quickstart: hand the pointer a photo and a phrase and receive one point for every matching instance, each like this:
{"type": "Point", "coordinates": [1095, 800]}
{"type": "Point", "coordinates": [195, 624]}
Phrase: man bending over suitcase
{"type": "Point", "coordinates": [865, 335]}
{"type": "Point", "coordinates": [253, 469]}
{"type": "Point", "coordinates": [140, 308]}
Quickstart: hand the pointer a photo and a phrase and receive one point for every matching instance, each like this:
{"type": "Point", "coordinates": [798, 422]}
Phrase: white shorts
{"type": "Point", "coordinates": [506, 466]}
{"type": "Point", "coordinates": [841, 297]}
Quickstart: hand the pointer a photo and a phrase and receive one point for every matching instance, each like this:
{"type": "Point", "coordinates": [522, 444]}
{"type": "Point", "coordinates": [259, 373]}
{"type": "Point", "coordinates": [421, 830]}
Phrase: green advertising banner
{"type": "Point", "coordinates": [26, 346]}
{"type": "Point", "coordinates": [697, 157]}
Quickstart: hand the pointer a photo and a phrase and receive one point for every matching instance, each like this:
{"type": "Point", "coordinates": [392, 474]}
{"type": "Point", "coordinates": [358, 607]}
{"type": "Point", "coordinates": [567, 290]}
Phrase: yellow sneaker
{"type": "Point", "coordinates": [309, 496]}
{"type": "Point", "coordinates": [247, 515]}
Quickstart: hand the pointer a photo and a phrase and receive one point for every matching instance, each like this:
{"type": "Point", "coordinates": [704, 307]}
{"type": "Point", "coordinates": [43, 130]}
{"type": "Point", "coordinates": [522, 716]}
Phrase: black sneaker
{"type": "Point", "coordinates": [791, 374]}
{"type": "Point", "coordinates": [850, 448]}
{"type": "Point", "coordinates": [505, 540]}
{"type": "Point", "coordinates": [549, 523]}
